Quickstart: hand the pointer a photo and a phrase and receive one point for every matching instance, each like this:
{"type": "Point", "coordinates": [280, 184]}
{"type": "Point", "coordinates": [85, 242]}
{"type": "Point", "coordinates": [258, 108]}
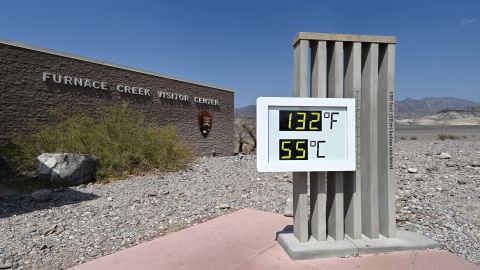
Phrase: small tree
{"type": "Point", "coordinates": [240, 138]}
{"type": "Point", "coordinates": [245, 134]}
{"type": "Point", "coordinates": [250, 128]}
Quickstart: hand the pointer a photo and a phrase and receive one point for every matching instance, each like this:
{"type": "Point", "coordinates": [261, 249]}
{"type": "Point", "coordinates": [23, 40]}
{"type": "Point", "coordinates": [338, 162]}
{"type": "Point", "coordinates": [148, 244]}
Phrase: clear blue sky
{"type": "Point", "coordinates": [246, 45]}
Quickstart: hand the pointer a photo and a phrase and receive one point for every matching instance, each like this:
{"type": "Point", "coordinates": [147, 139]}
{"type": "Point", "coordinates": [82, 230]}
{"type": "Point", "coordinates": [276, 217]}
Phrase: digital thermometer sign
{"type": "Point", "coordinates": [305, 134]}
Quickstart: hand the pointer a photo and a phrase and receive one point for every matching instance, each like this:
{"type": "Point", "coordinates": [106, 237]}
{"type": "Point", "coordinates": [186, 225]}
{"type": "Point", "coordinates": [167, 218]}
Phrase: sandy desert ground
{"type": "Point", "coordinates": [430, 132]}
{"type": "Point", "coordinates": [435, 196]}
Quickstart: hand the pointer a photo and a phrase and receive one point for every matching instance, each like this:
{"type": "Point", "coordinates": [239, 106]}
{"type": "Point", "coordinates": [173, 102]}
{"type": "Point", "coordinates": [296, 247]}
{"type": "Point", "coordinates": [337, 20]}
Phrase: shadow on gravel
{"type": "Point", "coordinates": [5, 170]}
{"type": "Point", "coordinates": [23, 203]}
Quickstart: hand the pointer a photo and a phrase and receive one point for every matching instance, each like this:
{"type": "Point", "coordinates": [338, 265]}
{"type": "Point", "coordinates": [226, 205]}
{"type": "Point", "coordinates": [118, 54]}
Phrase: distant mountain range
{"type": "Point", "coordinates": [248, 111]}
{"type": "Point", "coordinates": [415, 108]}
{"type": "Point", "coordinates": [407, 108]}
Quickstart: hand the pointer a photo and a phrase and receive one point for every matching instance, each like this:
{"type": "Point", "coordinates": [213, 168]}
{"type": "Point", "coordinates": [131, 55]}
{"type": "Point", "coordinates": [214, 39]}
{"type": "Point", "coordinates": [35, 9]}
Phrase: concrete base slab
{"type": "Point", "coordinates": [314, 249]}
{"type": "Point", "coordinates": [404, 241]}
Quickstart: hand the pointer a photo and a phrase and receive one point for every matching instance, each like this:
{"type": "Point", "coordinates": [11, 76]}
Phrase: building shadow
{"type": "Point", "coordinates": [23, 203]}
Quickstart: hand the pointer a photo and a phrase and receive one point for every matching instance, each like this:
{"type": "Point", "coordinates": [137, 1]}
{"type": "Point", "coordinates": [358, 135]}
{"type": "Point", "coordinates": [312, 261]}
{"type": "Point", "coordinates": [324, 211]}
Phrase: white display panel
{"type": "Point", "coordinates": [305, 134]}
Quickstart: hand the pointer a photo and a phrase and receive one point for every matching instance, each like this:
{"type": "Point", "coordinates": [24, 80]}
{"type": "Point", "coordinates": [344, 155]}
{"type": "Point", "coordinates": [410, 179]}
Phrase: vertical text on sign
{"type": "Point", "coordinates": [391, 123]}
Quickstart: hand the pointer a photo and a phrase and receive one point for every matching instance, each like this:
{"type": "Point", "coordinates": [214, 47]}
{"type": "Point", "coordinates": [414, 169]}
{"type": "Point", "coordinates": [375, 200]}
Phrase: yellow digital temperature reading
{"type": "Point", "coordinates": [305, 120]}
{"type": "Point", "coordinates": [293, 149]}
{"type": "Point", "coordinates": [300, 121]}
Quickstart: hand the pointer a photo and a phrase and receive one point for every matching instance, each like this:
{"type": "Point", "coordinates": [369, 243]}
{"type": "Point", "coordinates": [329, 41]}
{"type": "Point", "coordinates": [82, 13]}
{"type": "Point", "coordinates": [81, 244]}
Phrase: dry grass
{"type": "Point", "coordinates": [445, 136]}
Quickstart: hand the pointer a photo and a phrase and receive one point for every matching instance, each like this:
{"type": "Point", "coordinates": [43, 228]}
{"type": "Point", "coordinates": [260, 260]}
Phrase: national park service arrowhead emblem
{"type": "Point", "coordinates": [204, 123]}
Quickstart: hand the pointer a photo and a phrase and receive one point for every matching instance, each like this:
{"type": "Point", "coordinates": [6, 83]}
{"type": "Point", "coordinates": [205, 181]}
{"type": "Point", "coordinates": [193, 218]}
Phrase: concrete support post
{"type": "Point", "coordinates": [318, 182]}
{"type": "Point", "coordinates": [386, 122]}
{"type": "Point", "coordinates": [300, 199]}
{"type": "Point", "coordinates": [369, 137]}
{"type": "Point", "coordinates": [318, 202]}
{"type": "Point", "coordinates": [300, 206]}
{"type": "Point", "coordinates": [335, 218]}
{"type": "Point", "coordinates": [353, 184]}
{"type": "Point", "coordinates": [335, 205]}
{"type": "Point", "coordinates": [318, 69]}
{"type": "Point", "coordinates": [300, 62]}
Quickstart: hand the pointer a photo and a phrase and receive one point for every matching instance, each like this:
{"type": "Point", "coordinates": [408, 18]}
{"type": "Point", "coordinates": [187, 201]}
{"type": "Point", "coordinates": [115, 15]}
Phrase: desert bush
{"type": "Point", "coordinates": [117, 136]}
{"type": "Point", "coordinates": [402, 138]}
{"type": "Point", "coordinates": [445, 136]}
{"type": "Point", "coordinates": [413, 138]}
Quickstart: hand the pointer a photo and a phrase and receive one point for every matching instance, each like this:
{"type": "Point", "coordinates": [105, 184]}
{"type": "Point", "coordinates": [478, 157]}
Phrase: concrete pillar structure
{"type": "Point", "coordinates": [350, 212]}
{"type": "Point", "coordinates": [360, 202]}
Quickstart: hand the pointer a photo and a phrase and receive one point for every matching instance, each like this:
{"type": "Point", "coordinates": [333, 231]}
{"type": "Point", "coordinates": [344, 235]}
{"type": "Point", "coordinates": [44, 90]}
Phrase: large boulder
{"type": "Point", "coordinates": [66, 169]}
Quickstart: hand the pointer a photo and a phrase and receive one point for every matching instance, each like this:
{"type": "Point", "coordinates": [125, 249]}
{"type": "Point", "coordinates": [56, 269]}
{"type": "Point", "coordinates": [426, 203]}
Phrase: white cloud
{"type": "Point", "coordinates": [466, 21]}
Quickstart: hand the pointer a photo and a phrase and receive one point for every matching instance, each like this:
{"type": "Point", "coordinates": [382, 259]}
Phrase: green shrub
{"type": "Point", "coordinates": [117, 136]}
{"type": "Point", "coordinates": [445, 136]}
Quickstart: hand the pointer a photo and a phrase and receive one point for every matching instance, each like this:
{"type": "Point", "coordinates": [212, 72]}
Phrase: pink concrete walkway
{"type": "Point", "coordinates": [245, 240]}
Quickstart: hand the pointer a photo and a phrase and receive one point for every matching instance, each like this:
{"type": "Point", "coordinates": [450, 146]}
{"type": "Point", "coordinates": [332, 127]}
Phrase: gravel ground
{"type": "Point", "coordinates": [440, 200]}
